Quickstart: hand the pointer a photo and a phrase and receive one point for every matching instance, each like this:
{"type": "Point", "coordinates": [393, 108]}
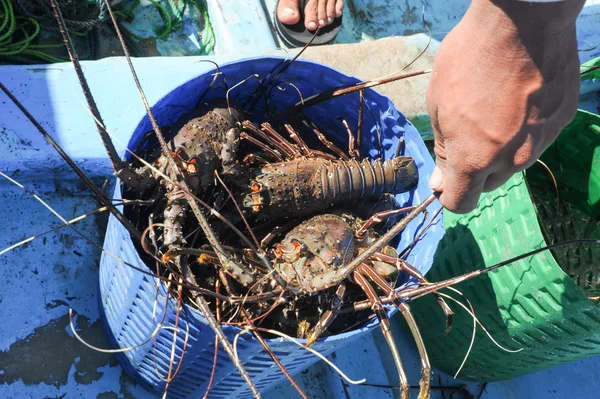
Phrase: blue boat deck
{"type": "Point", "coordinates": [39, 357]}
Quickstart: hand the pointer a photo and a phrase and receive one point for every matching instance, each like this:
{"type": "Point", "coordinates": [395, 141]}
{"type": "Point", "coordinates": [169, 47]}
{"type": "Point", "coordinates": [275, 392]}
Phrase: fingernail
{"type": "Point", "coordinates": [312, 25]}
{"type": "Point", "coordinates": [338, 14]}
{"type": "Point", "coordinates": [289, 11]}
{"type": "Point", "coordinates": [322, 22]}
{"type": "Point", "coordinates": [329, 20]}
{"type": "Point", "coordinates": [436, 180]}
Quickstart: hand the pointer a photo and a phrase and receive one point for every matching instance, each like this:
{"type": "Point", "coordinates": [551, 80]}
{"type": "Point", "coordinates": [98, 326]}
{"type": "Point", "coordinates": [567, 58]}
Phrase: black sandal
{"type": "Point", "coordinates": [297, 35]}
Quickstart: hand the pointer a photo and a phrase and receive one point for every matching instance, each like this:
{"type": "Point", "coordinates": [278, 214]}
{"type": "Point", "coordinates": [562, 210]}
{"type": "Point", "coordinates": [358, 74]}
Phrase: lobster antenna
{"type": "Point", "coordinates": [422, 51]}
{"type": "Point", "coordinates": [421, 291]}
{"type": "Point", "coordinates": [99, 195]}
{"type": "Point", "coordinates": [117, 164]}
{"type": "Point", "coordinates": [342, 90]}
{"type": "Point", "coordinates": [254, 98]}
{"type": "Point", "coordinates": [347, 89]}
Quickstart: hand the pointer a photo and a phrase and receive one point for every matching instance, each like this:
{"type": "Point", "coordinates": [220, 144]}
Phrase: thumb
{"type": "Point", "coordinates": [436, 181]}
{"type": "Point", "coordinates": [439, 174]}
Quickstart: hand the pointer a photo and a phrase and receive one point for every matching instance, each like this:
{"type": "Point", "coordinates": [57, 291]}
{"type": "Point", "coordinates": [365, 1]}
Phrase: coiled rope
{"type": "Point", "coordinates": [23, 21]}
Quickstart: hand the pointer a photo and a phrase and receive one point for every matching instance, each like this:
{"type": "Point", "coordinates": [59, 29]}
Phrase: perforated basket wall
{"type": "Point", "coordinates": [530, 304]}
{"type": "Point", "coordinates": [128, 296]}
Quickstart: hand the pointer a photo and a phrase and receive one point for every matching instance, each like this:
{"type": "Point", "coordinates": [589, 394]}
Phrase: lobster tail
{"type": "Point", "coordinates": [352, 180]}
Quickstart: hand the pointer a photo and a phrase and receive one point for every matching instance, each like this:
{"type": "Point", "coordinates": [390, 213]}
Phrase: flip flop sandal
{"type": "Point", "coordinates": [297, 35]}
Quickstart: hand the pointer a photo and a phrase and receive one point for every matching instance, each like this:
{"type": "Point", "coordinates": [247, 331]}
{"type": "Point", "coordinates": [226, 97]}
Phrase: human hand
{"type": "Point", "coordinates": [505, 82]}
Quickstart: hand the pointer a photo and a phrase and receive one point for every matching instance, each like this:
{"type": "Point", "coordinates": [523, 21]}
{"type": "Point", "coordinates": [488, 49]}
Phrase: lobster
{"type": "Point", "coordinates": [306, 186]}
{"type": "Point", "coordinates": [206, 141]}
{"type": "Point", "coordinates": [312, 259]}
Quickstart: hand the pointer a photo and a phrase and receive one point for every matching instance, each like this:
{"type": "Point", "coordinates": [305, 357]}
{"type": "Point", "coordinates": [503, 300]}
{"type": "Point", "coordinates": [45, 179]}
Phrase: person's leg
{"type": "Point", "coordinates": [316, 13]}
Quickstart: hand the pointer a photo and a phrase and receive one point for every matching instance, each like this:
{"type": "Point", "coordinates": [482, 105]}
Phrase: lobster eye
{"type": "Point", "coordinates": [204, 259]}
{"type": "Point", "coordinates": [254, 199]}
{"type": "Point", "coordinates": [299, 246]}
{"type": "Point", "coordinates": [290, 250]}
{"type": "Point", "coordinates": [191, 165]}
{"type": "Point", "coordinates": [180, 153]}
{"type": "Point", "coordinates": [278, 250]}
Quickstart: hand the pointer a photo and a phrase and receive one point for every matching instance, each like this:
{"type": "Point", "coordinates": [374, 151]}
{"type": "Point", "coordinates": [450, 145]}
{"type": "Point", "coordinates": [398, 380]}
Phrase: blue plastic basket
{"type": "Point", "coordinates": [130, 307]}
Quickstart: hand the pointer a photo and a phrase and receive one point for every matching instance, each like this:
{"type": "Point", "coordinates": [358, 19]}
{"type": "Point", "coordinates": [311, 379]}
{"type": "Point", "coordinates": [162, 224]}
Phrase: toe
{"type": "Point", "coordinates": [311, 15]}
{"type": "Point", "coordinates": [322, 12]}
{"type": "Point", "coordinates": [330, 11]}
{"type": "Point", "coordinates": [339, 6]}
{"type": "Point", "coordinates": [287, 12]}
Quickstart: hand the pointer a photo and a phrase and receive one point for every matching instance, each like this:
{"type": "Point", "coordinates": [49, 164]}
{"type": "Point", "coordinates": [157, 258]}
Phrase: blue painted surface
{"type": "Point", "coordinates": [241, 27]}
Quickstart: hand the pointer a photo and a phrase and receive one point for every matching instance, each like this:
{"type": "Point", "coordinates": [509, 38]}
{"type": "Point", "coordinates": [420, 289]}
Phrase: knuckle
{"type": "Point", "coordinates": [439, 151]}
{"type": "Point", "coordinates": [523, 157]}
{"type": "Point", "coordinates": [474, 163]}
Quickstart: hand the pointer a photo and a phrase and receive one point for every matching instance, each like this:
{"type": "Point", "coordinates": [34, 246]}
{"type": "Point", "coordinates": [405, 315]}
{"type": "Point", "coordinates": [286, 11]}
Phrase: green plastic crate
{"type": "Point", "coordinates": [531, 304]}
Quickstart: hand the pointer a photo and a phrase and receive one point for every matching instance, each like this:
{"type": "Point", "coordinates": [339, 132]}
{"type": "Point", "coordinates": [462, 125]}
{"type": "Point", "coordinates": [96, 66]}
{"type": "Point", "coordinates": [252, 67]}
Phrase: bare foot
{"type": "Point", "coordinates": [316, 12]}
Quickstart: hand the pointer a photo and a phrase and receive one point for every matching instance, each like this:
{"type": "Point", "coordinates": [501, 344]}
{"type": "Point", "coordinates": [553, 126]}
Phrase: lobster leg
{"type": "Point", "coordinates": [407, 267]}
{"type": "Point", "coordinates": [274, 153]}
{"type": "Point", "coordinates": [425, 383]}
{"type": "Point", "coordinates": [324, 155]}
{"type": "Point", "coordinates": [379, 311]}
{"type": "Point", "coordinates": [326, 142]}
{"type": "Point", "coordinates": [269, 140]}
{"type": "Point", "coordinates": [380, 217]}
{"type": "Point", "coordinates": [440, 299]}
{"type": "Point", "coordinates": [254, 159]}
{"type": "Point", "coordinates": [268, 129]}
{"type": "Point", "coordinates": [365, 207]}
{"type": "Point", "coordinates": [311, 153]}
{"type": "Point", "coordinates": [296, 137]}
{"type": "Point", "coordinates": [328, 316]}
{"type": "Point", "coordinates": [352, 151]}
